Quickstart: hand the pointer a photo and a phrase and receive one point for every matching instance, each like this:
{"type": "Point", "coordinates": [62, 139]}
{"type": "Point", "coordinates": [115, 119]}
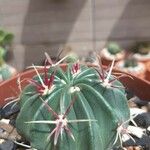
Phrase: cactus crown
{"type": "Point", "coordinates": [77, 108]}
{"type": "Point", "coordinates": [114, 48]}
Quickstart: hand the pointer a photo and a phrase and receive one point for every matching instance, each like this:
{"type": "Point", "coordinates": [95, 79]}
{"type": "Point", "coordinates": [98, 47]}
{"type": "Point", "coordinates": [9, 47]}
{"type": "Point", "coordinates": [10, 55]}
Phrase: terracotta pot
{"type": "Point", "coordinates": [139, 71]}
{"type": "Point", "coordinates": [141, 58]}
{"type": "Point", "coordinates": [140, 87]}
{"type": "Point", "coordinates": [10, 88]}
{"type": "Point", "coordinates": [145, 60]}
{"type": "Point", "coordinates": [107, 60]}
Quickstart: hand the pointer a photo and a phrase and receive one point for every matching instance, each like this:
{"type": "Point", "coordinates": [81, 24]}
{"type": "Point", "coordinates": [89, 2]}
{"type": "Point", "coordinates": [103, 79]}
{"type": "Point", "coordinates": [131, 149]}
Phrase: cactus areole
{"type": "Point", "coordinates": [80, 108]}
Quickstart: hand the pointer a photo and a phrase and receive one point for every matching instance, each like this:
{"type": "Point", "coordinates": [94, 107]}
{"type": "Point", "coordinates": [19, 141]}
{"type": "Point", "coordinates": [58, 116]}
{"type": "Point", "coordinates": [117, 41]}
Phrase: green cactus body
{"type": "Point", "coordinates": [113, 48]}
{"type": "Point", "coordinates": [5, 38]}
{"type": "Point", "coordinates": [102, 109]}
{"type": "Point", "coordinates": [73, 57]}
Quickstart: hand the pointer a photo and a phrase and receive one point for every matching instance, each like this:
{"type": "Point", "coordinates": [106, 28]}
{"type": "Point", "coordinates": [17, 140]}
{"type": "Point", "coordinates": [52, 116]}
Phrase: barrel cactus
{"type": "Point", "coordinates": [76, 108]}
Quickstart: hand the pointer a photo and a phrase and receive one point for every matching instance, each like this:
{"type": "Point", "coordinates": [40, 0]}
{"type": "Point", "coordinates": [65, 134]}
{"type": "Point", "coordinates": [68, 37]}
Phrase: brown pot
{"type": "Point", "coordinates": [142, 59]}
{"type": "Point", "coordinates": [141, 72]}
{"type": "Point", "coordinates": [140, 87]}
{"type": "Point", "coordinates": [145, 61]}
{"type": "Point", "coordinates": [107, 61]}
{"type": "Point", "coordinates": [10, 88]}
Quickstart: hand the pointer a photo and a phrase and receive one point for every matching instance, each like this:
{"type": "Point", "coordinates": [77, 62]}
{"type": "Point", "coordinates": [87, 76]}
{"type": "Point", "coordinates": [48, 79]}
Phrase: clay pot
{"type": "Point", "coordinates": [107, 58]}
{"type": "Point", "coordinates": [10, 88]}
{"type": "Point", "coordinates": [139, 70]}
{"type": "Point", "coordinates": [140, 87]}
{"type": "Point", "coordinates": [142, 58]}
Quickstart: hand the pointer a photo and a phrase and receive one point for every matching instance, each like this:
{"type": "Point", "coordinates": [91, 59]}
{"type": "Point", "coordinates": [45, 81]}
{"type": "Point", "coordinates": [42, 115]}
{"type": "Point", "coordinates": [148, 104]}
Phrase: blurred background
{"type": "Point", "coordinates": [112, 29]}
{"type": "Point", "coordinates": [85, 25]}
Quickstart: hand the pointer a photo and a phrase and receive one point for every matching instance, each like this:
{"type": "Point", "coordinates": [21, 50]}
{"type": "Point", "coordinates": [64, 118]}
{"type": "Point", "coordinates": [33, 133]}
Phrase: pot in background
{"type": "Point", "coordinates": [141, 51]}
{"type": "Point", "coordinates": [142, 58]}
{"type": "Point", "coordinates": [137, 69]}
{"type": "Point", "coordinates": [111, 52]}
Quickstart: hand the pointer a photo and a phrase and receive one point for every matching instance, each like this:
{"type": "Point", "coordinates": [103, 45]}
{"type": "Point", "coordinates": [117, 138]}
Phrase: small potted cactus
{"type": "Point", "coordinates": [142, 51]}
{"type": "Point", "coordinates": [111, 52]}
{"type": "Point", "coordinates": [71, 107]}
{"type": "Point", "coordinates": [6, 71]}
{"type": "Point", "coordinates": [131, 65]}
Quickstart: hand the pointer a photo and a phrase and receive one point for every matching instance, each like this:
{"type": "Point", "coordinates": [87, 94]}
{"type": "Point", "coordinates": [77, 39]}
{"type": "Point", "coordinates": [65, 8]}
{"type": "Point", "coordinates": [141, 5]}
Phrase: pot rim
{"type": "Point", "coordinates": [9, 88]}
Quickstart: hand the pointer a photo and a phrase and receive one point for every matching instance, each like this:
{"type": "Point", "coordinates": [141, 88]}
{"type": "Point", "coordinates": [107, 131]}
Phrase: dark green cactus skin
{"type": "Point", "coordinates": [93, 101]}
{"type": "Point", "coordinates": [130, 62]}
{"type": "Point", "coordinates": [113, 48]}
